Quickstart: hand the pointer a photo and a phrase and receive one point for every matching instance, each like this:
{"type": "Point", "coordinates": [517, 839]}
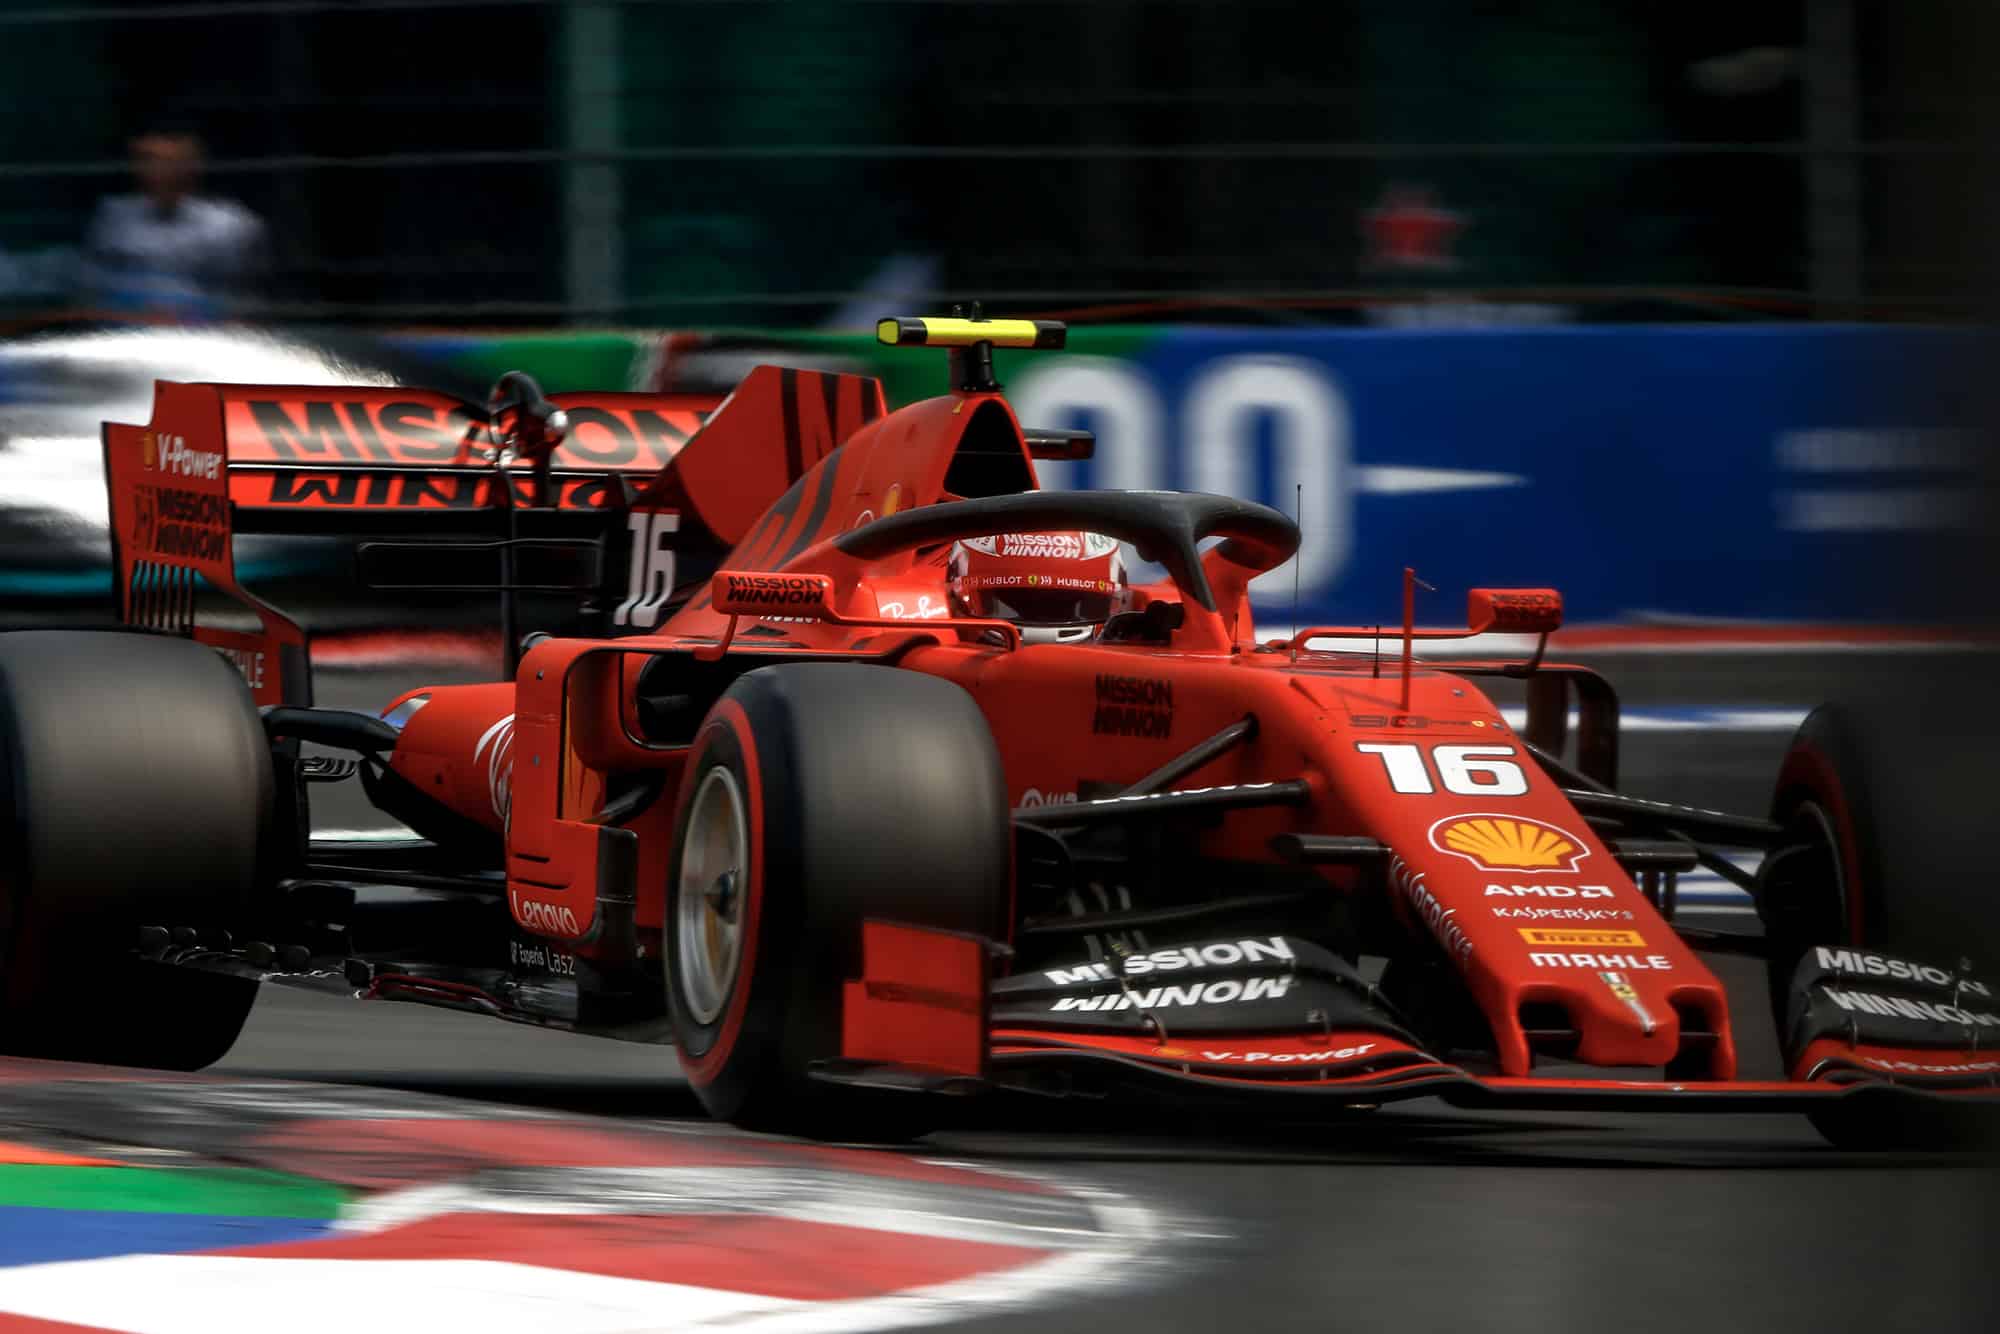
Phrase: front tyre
{"type": "Point", "coordinates": [1885, 813]}
{"type": "Point", "coordinates": [818, 795]}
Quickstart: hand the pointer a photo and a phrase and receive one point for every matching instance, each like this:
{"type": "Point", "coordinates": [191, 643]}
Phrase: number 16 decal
{"type": "Point", "coordinates": [651, 579]}
{"type": "Point", "coordinates": [1468, 771]}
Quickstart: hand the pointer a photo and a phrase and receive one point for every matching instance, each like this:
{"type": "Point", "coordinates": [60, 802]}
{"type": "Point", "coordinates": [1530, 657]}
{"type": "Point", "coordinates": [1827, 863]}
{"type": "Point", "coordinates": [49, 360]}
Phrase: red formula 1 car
{"type": "Point", "coordinates": [771, 794]}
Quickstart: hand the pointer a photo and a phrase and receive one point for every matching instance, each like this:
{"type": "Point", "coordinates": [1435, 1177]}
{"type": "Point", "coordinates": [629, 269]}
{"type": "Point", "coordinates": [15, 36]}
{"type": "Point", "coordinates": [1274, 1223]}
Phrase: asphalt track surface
{"type": "Point", "coordinates": [1416, 1217]}
{"type": "Point", "coordinates": [1412, 1218]}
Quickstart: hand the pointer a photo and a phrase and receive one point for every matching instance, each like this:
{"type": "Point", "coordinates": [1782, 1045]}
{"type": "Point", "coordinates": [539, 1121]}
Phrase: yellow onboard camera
{"type": "Point", "coordinates": [952, 331]}
{"type": "Point", "coordinates": [971, 339]}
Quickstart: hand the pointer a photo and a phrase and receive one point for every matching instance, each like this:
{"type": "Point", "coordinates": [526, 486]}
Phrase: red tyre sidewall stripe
{"type": "Point", "coordinates": [728, 714]}
{"type": "Point", "coordinates": [1808, 767]}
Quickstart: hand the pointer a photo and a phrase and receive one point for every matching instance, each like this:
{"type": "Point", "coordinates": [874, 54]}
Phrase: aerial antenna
{"type": "Point", "coordinates": [1410, 586]}
{"type": "Point", "coordinates": [1298, 519]}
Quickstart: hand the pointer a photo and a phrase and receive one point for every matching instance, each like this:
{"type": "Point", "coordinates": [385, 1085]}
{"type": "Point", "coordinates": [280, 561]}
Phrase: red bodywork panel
{"type": "Point", "coordinates": [921, 1001]}
{"type": "Point", "coordinates": [459, 747]}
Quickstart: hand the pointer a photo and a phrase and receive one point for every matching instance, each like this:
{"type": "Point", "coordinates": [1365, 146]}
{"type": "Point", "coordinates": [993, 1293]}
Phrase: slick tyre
{"type": "Point", "coordinates": [818, 795]}
{"type": "Point", "coordinates": [136, 789]}
{"type": "Point", "coordinates": [1885, 816]}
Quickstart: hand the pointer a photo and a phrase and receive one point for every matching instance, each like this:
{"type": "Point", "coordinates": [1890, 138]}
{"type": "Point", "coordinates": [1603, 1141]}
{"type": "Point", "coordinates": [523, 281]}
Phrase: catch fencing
{"type": "Point", "coordinates": [691, 162]}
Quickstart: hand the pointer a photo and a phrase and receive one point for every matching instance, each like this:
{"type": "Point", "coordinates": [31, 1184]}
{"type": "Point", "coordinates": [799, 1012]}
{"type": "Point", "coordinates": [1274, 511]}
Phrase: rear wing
{"type": "Point", "coordinates": [361, 450]}
{"type": "Point", "coordinates": [219, 458]}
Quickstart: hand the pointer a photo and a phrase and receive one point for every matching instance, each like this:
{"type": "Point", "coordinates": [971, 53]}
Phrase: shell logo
{"type": "Point", "coordinates": [1508, 843]}
{"type": "Point", "coordinates": [893, 501]}
{"type": "Point", "coordinates": [149, 449]}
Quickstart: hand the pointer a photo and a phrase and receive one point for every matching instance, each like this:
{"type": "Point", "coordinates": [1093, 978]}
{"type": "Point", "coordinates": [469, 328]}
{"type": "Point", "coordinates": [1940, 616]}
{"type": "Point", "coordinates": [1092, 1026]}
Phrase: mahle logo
{"type": "Point", "coordinates": [1508, 843]}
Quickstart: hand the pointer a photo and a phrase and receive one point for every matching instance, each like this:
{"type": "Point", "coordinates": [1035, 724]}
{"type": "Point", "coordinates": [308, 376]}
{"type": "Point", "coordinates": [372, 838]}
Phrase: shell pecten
{"type": "Point", "coordinates": [1507, 843]}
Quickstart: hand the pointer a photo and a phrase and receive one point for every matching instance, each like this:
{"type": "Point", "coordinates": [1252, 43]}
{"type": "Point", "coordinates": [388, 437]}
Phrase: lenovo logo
{"type": "Point", "coordinates": [545, 917]}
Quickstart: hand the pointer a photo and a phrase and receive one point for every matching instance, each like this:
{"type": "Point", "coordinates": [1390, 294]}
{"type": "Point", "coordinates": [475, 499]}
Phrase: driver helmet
{"type": "Point", "coordinates": [1057, 587]}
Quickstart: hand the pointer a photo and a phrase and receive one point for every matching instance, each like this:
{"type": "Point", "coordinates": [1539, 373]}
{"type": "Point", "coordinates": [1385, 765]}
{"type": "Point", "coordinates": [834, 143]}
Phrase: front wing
{"type": "Point", "coordinates": [1276, 1020]}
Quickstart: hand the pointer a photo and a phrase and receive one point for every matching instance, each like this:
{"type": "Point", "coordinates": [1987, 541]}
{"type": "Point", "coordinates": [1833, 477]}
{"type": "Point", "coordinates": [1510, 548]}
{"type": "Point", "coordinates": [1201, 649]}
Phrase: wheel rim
{"type": "Point", "coordinates": [715, 856]}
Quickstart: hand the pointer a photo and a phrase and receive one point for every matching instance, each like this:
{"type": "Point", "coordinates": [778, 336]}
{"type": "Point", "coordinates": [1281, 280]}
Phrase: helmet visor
{"type": "Point", "coordinates": [1041, 606]}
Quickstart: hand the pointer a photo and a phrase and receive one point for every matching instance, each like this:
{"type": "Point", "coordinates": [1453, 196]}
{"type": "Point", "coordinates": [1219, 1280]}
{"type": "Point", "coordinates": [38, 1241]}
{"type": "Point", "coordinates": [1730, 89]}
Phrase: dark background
{"type": "Point", "coordinates": [751, 162]}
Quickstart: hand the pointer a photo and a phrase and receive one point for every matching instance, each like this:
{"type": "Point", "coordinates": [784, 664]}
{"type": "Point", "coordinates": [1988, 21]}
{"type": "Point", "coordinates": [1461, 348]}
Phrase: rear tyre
{"type": "Point", "coordinates": [137, 784]}
{"type": "Point", "coordinates": [818, 795]}
{"type": "Point", "coordinates": [1883, 815]}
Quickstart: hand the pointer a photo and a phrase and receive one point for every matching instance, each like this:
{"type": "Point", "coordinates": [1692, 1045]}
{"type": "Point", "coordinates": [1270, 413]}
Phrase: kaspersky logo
{"type": "Point", "coordinates": [170, 453]}
{"type": "Point", "coordinates": [1508, 843]}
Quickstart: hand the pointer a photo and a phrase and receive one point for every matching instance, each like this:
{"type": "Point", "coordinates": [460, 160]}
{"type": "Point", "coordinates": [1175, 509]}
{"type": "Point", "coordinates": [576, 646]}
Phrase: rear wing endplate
{"type": "Point", "coordinates": [172, 537]}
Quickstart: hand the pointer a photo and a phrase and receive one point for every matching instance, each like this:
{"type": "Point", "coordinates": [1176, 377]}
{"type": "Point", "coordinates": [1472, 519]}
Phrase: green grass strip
{"type": "Point", "coordinates": [240, 1192]}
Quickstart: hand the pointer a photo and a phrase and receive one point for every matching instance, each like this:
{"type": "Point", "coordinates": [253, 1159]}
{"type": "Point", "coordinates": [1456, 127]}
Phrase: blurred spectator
{"type": "Point", "coordinates": [167, 251]}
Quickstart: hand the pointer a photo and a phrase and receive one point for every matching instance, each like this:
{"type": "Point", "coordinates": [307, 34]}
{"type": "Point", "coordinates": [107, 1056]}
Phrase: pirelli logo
{"type": "Point", "coordinates": [1548, 935]}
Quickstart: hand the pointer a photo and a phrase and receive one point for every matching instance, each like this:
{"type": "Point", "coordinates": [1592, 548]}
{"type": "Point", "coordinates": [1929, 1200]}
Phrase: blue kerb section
{"type": "Point", "coordinates": [43, 1236]}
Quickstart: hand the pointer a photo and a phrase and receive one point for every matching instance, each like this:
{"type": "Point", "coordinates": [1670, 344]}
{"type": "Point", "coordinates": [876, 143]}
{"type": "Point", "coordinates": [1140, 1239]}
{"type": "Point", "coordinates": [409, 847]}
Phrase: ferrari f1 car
{"type": "Point", "coordinates": [752, 784]}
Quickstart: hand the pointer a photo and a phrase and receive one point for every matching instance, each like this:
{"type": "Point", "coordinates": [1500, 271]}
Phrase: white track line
{"type": "Point", "coordinates": [213, 1294]}
{"type": "Point", "coordinates": [841, 1199]}
{"type": "Point", "coordinates": [378, 834]}
{"type": "Point", "coordinates": [1129, 1251]}
{"type": "Point", "coordinates": [1688, 718]}
{"type": "Point", "coordinates": [1634, 641]}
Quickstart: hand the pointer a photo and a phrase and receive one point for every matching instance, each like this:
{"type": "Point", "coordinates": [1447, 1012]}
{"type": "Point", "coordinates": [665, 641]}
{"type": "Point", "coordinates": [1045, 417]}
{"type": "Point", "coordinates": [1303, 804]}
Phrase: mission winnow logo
{"type": "Point", "coordinates": [1136, 706]}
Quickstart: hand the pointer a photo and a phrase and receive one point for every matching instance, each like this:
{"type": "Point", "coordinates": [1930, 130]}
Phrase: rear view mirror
{"type": "Point", "coordinates": [739, 593]}
{"type": "Point", "coordinates": [1062, 446]}
{"type": "Point", "coordinates": [1520, 611]}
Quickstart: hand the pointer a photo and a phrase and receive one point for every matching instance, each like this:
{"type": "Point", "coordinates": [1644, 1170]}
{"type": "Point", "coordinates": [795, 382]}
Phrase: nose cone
{"type": "Point", "coordinates": [1619, 1024]}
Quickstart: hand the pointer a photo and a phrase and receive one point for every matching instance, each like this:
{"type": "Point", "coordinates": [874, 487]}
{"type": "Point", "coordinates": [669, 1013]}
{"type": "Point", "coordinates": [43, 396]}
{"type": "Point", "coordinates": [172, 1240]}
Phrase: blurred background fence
{"type": "Point", "coordinates": [736, 161]}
